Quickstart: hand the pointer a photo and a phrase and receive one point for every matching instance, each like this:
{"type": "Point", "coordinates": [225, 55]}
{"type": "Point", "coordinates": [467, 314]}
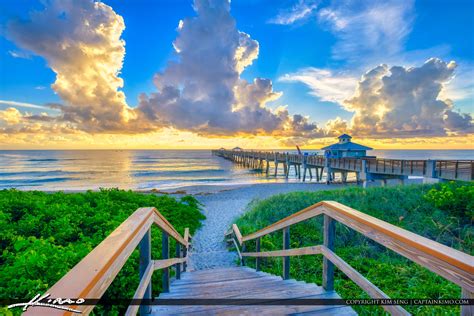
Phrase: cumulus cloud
{"type": "Point", "coordinates": [299, 11]}
{"type": "Point", "coordinates": [337, 126]}
{"type": "Point", "coordinates": [400, 101]}
{"type": "Point", "coordinates": [203, 92]}
{"type": "Point", "coordinates": [81, 42]}
{"type": "Point", "coordinates": [368, 30]}
{"type": "Point", "coordinates": [10, 116]}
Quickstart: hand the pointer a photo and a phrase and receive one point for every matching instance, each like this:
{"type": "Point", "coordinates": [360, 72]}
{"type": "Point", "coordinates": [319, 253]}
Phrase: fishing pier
{"type": "Point", "coordinates": [366, 169]}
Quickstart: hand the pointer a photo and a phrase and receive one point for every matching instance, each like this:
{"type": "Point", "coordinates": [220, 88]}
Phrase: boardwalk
{"type": "Point", "coordinates": [365, 168]}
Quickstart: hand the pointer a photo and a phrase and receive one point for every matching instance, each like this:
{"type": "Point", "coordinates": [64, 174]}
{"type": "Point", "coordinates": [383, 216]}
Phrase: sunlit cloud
{"type": "Point", "coordinates": [203, 97]}
{"type": "Point", "coordinates": [405, 102]}
{"type": "Point", "coordinates": [203, 91]}
{"type": "Point", "coordinates": [81, 41]}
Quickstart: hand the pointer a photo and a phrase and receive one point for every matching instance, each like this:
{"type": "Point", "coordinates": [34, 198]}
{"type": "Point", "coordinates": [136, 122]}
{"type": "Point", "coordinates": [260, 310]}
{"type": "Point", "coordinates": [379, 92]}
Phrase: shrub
{"type": "Point", "coordinates": [409, 207]}
{"type": "Point", "coordinates": [44, 235]}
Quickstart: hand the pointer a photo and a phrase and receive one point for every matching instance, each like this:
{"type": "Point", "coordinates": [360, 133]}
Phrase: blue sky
{"type": "Point", "coordinates": [290, 43]}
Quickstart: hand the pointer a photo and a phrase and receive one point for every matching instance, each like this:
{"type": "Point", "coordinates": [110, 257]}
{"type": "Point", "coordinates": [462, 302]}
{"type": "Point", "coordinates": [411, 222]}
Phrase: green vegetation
{"type": "Point", "coordinates": [42, 236]}
{"type": "Point", "coordinates": [442, 212]}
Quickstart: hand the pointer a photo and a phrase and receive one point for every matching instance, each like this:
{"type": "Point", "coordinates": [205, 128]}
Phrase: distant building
{"type": "Point", "coordinates": [346, 148]}
{"type": "Point", "coordinates": [237, 148]}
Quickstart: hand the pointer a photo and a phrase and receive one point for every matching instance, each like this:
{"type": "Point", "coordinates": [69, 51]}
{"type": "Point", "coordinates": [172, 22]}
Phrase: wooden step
{"type": "Point", "coordinates": [245, 283]}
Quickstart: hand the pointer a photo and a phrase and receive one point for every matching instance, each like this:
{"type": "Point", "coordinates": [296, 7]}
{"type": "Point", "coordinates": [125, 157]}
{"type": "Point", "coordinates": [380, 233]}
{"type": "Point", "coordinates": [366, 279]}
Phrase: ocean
{"type": "Point", "coordinates": [50, 170]}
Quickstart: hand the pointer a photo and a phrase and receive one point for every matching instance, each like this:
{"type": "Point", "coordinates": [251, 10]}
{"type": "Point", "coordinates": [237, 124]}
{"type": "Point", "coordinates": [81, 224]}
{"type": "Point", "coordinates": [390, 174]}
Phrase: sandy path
{"type": "Point", "coordinates": [221, 208]}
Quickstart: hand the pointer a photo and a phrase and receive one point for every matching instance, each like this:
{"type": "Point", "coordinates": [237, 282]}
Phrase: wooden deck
{"type": "Point", "coordinates": [245, 283]}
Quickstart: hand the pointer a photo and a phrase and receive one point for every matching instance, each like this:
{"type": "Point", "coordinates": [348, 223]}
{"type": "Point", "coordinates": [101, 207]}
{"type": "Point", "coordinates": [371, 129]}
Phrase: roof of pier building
{"type": "Point", "coordinates": [345, 144]}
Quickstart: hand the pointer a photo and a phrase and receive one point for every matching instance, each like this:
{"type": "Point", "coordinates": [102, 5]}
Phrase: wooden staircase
{"type": "Point", "coordinates": [245, 283]}
{"type": "Point", "coordinates": [91, 277]}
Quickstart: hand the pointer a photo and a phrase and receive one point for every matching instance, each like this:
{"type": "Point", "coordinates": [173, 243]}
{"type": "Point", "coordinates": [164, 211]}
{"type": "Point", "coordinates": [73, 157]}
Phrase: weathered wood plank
{"type": "Point", "coordinates": [165, 280]}
{"type": "Point", "coordinates": [286, 259]}
{"type": "Point", "coordinates": [258, 288]}
{"type": "Point", "coordinates": [161, 264]}
{"type": "Point", "coordinates": [145, 264]}
{"type": "Point", "coordinates": [309, 212]}
{"type": "Point", "coordinates": [257, 249]}
{"type": "Point", "coordinates": [467, 310]}
{"type": "Point", "coordinates": [140, 292]}
{"type": "Point", "coordinates": [361, 281]}
{"type": "Point", "coordinates": [313, 250]}
{"type": "Point", "coordinates": [237, 233]}
{"type": "Point", "coordinates": [329, 235]}
{"type": "Point", "coordinates": [168, 228]}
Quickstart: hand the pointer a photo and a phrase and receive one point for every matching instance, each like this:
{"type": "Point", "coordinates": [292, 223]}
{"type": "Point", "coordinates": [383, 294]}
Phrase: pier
{"type": "Point", "coordinates": [366, 169]}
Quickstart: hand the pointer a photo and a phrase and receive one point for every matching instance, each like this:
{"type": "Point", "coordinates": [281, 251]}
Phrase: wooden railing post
{"type": "Point", "coordinates": [178, 265]}
{"type": "Point", "coordinates": [328, 266]}
{"type": "Point", "coordinates": [257, 249]}
{"type": "Point", "coordinates": [185, 253]}
{"type": "Point", "coordinates": [145, 260]}
{"type": "Point", "coordinates": [467, 309]}
{"type": "Point", "coordinates": [165, 255]}
{"type": "Point", "coordinates": [286, 260]}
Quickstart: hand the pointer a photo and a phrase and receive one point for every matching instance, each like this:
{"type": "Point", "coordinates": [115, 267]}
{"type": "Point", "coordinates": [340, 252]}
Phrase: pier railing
{"type": "Point", "coordinates": [451, 264]}
{"type": "Point", "coordinates": [458, 169]}
{"type": "Point", "coordinates": [91, 277]}
{"type": "Point", "coordinates": [443, 169]}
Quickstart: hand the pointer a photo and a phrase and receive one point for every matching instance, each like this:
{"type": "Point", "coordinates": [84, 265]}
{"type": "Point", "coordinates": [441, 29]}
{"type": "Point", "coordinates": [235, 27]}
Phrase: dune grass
{"type": "Point", "coordinates": [42, 236]}
{"type": "Point", "coordinates": [442, 212]}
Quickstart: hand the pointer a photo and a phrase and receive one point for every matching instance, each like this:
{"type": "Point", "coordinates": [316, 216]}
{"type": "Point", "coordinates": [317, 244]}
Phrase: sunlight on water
{"type": "Point", "coordinates": [153, 169]}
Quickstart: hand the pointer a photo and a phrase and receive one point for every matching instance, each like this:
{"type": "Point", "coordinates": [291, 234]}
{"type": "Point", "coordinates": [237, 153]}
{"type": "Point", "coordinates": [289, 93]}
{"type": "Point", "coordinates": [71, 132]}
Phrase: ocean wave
{"type": "Point", "coordinates": [155, 173]}
{"type": "Point", "coordinates": [43, 159]}
{"type": "Point", "coordinates": [24, 182]}
{"type": "Point", "coordinates": [40, 173]}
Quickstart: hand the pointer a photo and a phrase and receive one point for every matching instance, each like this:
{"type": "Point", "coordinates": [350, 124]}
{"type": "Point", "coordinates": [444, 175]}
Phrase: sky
{"type": "Point", "coordinates": [78, 74]}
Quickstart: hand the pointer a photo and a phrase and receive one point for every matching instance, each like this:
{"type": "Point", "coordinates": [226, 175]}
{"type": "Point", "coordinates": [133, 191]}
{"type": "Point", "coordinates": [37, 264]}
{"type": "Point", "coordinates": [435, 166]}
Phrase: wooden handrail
{"type": "Point", "coordinates": [452, 264]}
{"type": "Point", "coordinates": [91, 277]}
{"type": "Point", "coordinates": [237, 233]}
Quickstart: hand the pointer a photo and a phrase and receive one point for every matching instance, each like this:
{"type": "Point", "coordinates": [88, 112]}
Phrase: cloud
{"type": "Point", "coordinates": [18, 54]}
{"type": "Point", "coordinates": [203, 92]}
{"type": "Point", "coordinates": [404, 102]}
{"type": "Point", "coordinates": [299, 11]}
{"type": "Point", "coordinates": [81, 41]}
{"type": "Point", "coordinates": [324, 83]}
{"type": "Point", "coordinates": [22, 104]}
{"type": "Point", "coordinates": [337, 126]}
{"type": "Point", "coordinates": [10, 116]}
{"type": "Point", "coordinates": [368, 30]}
{"type": "Point", "coordinates": [461, 87]}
